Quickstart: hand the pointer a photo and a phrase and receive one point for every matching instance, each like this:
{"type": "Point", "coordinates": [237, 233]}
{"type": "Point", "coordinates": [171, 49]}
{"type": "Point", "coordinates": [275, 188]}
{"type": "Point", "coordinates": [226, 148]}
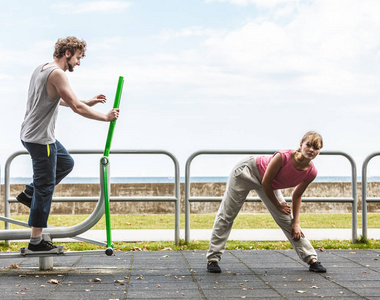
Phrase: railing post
{"type": "Point", "coordinates": [364, 193]}
{"type": "Point", "coordinates": [364, 197]}
{"type": "Point", "coordinates": [177, 205]}
{"type": "Point", "coordinates": [355, 203]}
{"type": "Point", "coordinates": [7, 185]}
{"type": "Point", "coordinates": [187, 196]}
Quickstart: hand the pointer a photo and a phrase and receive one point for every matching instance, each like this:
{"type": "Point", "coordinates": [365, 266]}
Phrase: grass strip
{"type": "Point", "coordinates": [206, 221]}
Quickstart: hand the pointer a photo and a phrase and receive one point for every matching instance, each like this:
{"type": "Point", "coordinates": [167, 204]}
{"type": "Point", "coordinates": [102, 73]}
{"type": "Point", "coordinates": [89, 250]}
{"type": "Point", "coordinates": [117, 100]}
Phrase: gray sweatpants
{"type": "Point", "coordinates": [246, 177]}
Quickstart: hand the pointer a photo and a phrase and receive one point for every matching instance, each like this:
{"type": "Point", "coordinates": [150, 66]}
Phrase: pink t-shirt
{"type": "Point", "coordinates": [288, 176]}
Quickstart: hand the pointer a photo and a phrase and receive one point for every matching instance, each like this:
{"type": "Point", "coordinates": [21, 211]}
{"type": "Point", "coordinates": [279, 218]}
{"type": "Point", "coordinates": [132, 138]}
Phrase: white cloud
{"type": "Point", "coordinates": [258, 3]}
{"type": "Point", "coordinates": [5, 76]}
{"type": "Point", "coordinates": [94, 6]}
{"type": "Point", "coordinates": [193, 31]}
{"type": "Point", "coordinates": [300, 64]}
{"type": "Point", "coordinates": [320, 49]}
{"type": "Point", "coordinates": [318, 52]}
{"type": "Point", "coordinates": [107, 44]}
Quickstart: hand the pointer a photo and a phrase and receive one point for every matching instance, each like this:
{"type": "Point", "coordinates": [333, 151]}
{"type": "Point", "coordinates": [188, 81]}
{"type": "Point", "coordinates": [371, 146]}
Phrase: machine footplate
{"type": "Point", "coordinates": [55, 251]}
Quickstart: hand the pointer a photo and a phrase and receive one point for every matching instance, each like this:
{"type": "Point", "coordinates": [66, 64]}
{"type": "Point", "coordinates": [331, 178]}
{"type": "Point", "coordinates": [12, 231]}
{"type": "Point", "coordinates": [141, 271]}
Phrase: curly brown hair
{"type": "Point", "coordinates": [70, 43]}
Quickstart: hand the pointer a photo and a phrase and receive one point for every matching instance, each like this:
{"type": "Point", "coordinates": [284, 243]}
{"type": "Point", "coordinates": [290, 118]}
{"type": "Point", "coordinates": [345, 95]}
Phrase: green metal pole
{"type": "Point", "coordinates": [105, 166]}
{"type": "Point", "coordinates": [113, 123]}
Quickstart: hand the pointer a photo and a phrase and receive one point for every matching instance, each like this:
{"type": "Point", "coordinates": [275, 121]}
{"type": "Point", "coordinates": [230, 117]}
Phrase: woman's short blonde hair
{"type": "Point", "coordinates": [314, 138]}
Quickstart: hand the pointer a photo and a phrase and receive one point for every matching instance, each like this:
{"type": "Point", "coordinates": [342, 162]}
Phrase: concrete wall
{"type": "Point", "coordinates": [197, 189]}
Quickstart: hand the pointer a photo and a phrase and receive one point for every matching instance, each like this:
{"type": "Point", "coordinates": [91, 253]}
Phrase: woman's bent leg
{"type": "Point", "coordinates": [303, 247]}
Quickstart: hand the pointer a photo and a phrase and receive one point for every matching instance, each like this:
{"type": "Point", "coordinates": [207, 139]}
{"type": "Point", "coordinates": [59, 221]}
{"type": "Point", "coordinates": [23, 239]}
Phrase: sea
{"type": "Point", "coordinates": [25, 180]}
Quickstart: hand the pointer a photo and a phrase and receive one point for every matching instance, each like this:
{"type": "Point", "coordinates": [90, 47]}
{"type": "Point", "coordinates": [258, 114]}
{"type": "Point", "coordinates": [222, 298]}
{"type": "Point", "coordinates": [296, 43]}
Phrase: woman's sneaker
{"type": "Point", "coordinates": [24, 199]}
{"type": "Point", "coordinates": [317, 267]}
{"type": "Point", "coordinates": [213, 267]}
{"type": "Point", "coordinates": [42, 246]}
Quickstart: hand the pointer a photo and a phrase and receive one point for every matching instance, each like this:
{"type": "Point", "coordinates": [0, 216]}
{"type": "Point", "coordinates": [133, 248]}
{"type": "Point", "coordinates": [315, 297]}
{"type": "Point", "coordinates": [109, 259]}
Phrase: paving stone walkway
{"type": "Point", "coordinates": [263, 274]}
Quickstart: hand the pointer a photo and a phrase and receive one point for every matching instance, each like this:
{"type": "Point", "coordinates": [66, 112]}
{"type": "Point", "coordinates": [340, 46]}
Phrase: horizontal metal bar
{"type": "Point", "coordinates": [372, 199]}
{"type": "Point", "coordinates": [78, 238]}
{"type": "Point", "coordinates": [68, 253]}
{"type": "Point", "coordinates": [12, 255]}
{"type": "Point", "coordinates": [13, 221]}
{"type": "Point", "coordinates": [219, 199]}
{"type": "Point", "coordinates": [144, 199]}
{"type": "Point", "coordinates": [329, 199]}
{"type": "Point", "coordinates": [113, 199]}
{"type": "Point", "coordinates": [91, 241]}
{"type": "Point", "coordinates": [85, 252]}
{"type": "Point", "coordinates": [85, 152]}
{"type": "Point", "coordinates": [288, 199]}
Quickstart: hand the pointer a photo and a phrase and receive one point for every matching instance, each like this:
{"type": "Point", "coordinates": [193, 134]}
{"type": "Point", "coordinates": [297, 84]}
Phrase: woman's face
{"type": "Point", "coordinates": [309, 149]}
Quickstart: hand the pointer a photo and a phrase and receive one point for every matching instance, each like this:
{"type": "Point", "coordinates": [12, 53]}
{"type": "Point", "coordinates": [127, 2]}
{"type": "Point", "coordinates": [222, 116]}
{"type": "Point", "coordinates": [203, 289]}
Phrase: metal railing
{"type": "Point", "coordinates": [8, 234]}
{"type": "Point", "coordinates": [366, 199]}
{"type": "Point", "coordinates": [189, 199]}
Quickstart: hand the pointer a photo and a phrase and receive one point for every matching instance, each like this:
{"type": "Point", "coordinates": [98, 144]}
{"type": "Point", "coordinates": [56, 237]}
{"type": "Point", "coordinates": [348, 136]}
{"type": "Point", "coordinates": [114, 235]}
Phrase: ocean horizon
{"type": "Point", "coordinates": [163, 179]}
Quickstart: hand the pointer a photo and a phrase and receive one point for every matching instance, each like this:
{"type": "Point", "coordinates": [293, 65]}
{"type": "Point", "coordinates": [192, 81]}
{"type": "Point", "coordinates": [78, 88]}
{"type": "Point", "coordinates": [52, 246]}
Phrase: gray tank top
{"type": "Point", "coordinates": [41, 111]}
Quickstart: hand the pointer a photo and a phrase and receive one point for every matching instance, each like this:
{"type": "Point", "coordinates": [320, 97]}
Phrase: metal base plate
{"type": "Point", "coordinates": [55, 251]}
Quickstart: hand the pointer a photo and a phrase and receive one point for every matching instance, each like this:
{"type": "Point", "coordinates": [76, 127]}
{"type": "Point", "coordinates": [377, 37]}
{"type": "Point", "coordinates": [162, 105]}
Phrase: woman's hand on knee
{"type": "Point", "coordinates": [296, 232]}
{"type": "Point", "coordinates": [284, 207]}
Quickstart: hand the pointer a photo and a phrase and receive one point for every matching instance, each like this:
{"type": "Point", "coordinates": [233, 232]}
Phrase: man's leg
{"type": "Point", "coordinates": [65, 163]}
{"type": "Point", "coordinates": [25, 197]}
{"type": "Point", "coordinates": [64, 166]}
{"type": "Point", "coordinates": [44, 158]}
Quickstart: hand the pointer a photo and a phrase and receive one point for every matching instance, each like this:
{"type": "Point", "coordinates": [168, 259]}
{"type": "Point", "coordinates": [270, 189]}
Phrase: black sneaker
{"type": "Point", "coordinates": [213, 267]}
{"type": "Point", "coordinates": [317, 267]}
{"type": "Point", "coordinates": [24, 199]}
{"type": "Point", "coordinates": [42, 246]}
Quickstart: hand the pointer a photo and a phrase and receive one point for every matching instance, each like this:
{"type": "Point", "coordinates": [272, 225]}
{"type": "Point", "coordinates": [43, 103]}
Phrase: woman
{"type": "Point", "coordinates": [267, 175]}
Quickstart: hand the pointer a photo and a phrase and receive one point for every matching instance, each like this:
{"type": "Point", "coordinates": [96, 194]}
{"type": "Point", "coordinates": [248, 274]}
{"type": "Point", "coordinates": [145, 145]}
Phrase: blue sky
{"type": "Point", "coordinates": [227, 74]}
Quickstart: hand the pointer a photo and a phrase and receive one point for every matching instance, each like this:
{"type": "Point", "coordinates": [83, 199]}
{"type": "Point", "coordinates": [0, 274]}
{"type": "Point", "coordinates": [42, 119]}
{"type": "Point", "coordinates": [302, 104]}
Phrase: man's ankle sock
{"type": "Point", "coordinates": [35, 240]}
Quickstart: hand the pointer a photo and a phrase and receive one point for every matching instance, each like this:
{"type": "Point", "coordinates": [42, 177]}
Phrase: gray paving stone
{"type": "Point", "coordinates": [359, 283]}
{"type": "Point", "coordinates": [253, 274]}
{"type": "Point", "coordinates": [367, 292]}
{"type": "Point", "coordinates": [235, 284]}
{"type": "Point", "coordinates": [92, 294]}
{"type": "Point", "coordinates": [307, 292]}
{"type": "Point", "coordinates": [163, 294]}
{"type": "Point", "coordinates": [240, 293]}
{"type": "Point", "coordinates": [94, 278]}
{"type": "Point", "coordinates": [162, 278]}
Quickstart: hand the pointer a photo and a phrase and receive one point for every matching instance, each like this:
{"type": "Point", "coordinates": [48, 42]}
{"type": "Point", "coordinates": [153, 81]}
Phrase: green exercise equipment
{"type": "Point", "coordinates": [104, 166]}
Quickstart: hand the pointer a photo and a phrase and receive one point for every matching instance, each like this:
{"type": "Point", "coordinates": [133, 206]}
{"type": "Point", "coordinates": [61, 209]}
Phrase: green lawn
{"type": "Point", "coordinates": [206, 221]}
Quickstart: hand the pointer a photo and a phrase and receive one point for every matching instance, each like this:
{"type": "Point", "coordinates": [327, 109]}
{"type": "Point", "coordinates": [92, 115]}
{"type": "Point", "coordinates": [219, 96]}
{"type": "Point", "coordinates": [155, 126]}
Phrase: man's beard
{"type": "Point", "coordinates": [70, 66]}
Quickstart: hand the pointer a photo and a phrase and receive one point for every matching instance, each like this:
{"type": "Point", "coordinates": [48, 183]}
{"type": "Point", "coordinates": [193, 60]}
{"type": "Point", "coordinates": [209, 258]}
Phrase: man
{"type": "Point", "coordinates": [49, 87]}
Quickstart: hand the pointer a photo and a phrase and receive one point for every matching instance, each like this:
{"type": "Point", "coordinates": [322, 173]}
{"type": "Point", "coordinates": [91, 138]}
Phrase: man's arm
{"type": "Point", "coordinates": [60, 81]}
{"type": "Point", "coordinates": [95, 100]}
